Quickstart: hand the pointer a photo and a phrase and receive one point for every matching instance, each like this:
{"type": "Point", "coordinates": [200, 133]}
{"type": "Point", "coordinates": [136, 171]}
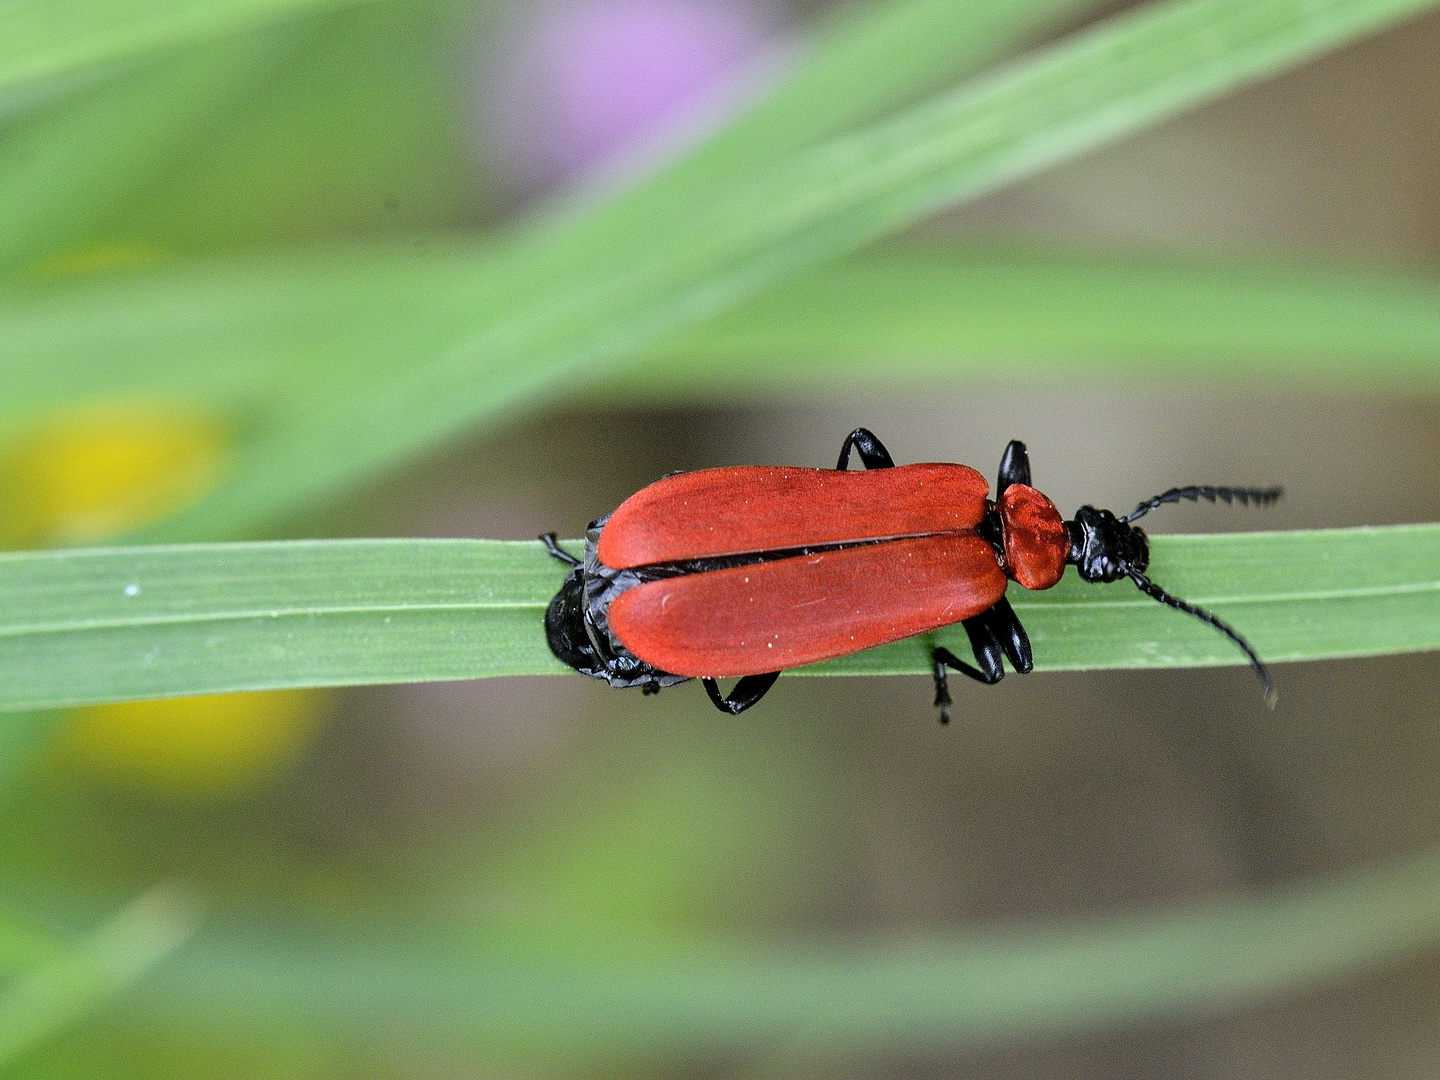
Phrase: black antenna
{"type": "Point", "coordinates": [1245, 496]}
{"type": "Point", "coordinates": [1149, 588]}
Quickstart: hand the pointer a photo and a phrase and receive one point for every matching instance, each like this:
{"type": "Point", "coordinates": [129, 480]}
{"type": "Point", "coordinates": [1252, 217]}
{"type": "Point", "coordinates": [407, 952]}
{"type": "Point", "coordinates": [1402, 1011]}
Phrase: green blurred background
{"type": "Point", "coordinates": [390, 882]}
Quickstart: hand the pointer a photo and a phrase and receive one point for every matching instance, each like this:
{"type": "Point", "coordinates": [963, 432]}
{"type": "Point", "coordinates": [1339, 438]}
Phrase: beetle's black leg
{"type": "Point", "coordinates": [557, 552]}
{"type": "Point", "coordinates": [943, 701]}
{"type": "Point", "coordinates": [989, 651]}
{"type": "Point", "coordinates": [1005, 625]}
{"type": "Point", "coordinates": [944, 658]}
{"type": "Point", "coordinates": [871, 450]}
{"type": "Point", "coordinates": [994, 633]}
{"type": "Point", "coordinates": [747, 692]}
{"type": "Point", "coordinates": [1014, 467]}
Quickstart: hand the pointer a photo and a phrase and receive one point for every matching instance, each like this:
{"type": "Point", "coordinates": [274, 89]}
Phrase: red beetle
{"type": "Point", "coordinates": [749, 571]}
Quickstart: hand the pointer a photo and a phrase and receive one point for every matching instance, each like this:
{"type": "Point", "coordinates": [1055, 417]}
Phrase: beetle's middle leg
{"type": "Point", "coordinates": [873, 454]}
{"type": "Point", "coordinates": [995, 636]}
{"type": "Point", "coordinates": [745, 693]}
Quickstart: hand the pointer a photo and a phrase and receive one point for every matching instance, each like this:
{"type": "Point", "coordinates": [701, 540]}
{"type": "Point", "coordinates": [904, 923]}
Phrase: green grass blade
{"type": "Point", "coordinates": [52, 994]}
{"type": "Point", "coordinates": [359, 134]}
{"type": "Point", "coordinates": [248, 334]}
{"type": "Point", "coordinates": [575, 299]}
{"type": "Point", "coordinates": [366, 312]}
{"type": "Point", "coordinates": [915, 316]}
{"type": "Point", "coordinates": [64, 167]}
{"type": "Point", "coordinates": [83, 626]}
{"type": "Point", "coordinates": [42, 40]}
{"type": "Point", "coordinates": [170, 619]}
{"type": "Point", "coordinates": [919, 995]}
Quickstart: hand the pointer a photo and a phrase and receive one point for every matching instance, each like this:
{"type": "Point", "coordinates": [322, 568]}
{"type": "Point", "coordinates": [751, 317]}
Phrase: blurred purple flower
{"type": "Point", "coordinates": [583, 80]}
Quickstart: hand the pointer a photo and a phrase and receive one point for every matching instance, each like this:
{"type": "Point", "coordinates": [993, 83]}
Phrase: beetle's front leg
{"type": "Point", "coordinates": [1014, 467]}
{"type": "Point", "coordinates": [873, 454]}
{"type": "Point", "coordinates": [995, 635]}
{"type": "Point", "coordinates": [999, 627]}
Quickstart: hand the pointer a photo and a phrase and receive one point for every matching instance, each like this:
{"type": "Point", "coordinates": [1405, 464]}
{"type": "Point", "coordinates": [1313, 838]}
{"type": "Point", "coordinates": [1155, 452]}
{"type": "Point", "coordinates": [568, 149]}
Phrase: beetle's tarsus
{"type": "Point", "coordinates": [942, 688]}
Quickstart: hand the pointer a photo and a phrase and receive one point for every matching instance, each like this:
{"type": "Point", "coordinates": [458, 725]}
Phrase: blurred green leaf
{"type": "Point", "coordinates": [343, 320]}
{"type": "Point", "coordinates": [54, 993]}
{"type": "Point", "coordinates": [83, 626]}
{"type": "Point", "coordinates": [54, 39]}
{"type": "Point", "coordinates": [64, 167]}
{"type": "Point", "coordinates": [370, 130]}
{"type": "Point", "coordinates": [23, 947]}
{"type": "Point", "coordinates": [923, 994]}
{"type": "Point", "coordinates": [615, 281]}
{"type": "Point", "coordinates": [917, 316]}
{"type": "Point", "coordinates": [23, 736]}
{"type": "Point", "coordinates": [364, 131]}
{"type": "Point", "coordinates": [240, 335]}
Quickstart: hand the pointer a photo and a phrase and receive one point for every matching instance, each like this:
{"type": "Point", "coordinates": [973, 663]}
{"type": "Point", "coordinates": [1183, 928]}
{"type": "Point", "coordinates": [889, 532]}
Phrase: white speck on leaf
{"type": "Point", "coordinates": [132, 590]}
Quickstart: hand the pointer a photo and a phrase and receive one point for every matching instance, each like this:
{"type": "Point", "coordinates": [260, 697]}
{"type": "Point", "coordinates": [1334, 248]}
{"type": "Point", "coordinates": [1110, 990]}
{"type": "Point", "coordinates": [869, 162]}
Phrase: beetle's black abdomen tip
{"type": "Point", "coordinates": [565, 627]}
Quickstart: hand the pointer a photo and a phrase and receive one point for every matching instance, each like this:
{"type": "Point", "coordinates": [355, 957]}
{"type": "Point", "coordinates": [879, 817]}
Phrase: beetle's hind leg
{"type": "Point", "coordinates": [552, 545]}
{"type": "Point", "coordinates": [873, 454]}
{"type": "Point", "coordinates": [995, 635]}
{"type": "Point", "coordinates": [747, 692]}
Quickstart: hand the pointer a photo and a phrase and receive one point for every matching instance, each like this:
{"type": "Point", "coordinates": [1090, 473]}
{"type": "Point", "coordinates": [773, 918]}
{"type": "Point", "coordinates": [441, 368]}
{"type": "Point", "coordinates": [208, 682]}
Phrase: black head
{"type": "Point", "coordinates": [1105, 548]}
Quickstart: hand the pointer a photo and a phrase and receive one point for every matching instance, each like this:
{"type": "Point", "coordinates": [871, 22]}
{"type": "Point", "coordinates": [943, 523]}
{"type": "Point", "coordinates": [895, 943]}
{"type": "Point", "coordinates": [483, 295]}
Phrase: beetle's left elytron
{"type": "Point", "coordinates": [749, 571]}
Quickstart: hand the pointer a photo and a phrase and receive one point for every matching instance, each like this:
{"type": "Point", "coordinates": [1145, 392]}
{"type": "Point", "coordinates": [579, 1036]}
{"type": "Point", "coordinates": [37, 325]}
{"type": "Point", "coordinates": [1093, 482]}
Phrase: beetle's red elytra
{"type": "Point", "coordinates": [750, 571]}
{"type": "Point", "coordinates": [749, 620]}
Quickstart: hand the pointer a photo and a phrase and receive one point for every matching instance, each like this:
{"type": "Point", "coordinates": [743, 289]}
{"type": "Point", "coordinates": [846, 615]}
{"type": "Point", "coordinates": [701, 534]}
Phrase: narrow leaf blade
{"type": "Point", "coordinates": [54, 993]}
{"type": "Point", "coordinates": [819, 999]}
{"type": "Point", "coordinates": [86, 626]}
{"type": "Point", "coordinates": [44, 40]}
{"type": "Point", "coordinates": [915, 315]}
{"type": "Point", "coordinates": [574, 300]}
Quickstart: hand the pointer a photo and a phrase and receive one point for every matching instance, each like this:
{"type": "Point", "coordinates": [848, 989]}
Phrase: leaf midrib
{"type": "Point", "coordinates": [240, 615]}
{"type": "Point", "coordinates": [1028, 600]}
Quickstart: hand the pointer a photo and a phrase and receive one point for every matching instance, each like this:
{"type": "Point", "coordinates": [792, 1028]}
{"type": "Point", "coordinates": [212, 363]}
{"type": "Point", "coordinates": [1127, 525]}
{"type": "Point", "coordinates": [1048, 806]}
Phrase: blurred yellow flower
{"type": "Point", "coordinates": [100, 470]}
{"type": "Point", "coordinates": [219, 744]}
